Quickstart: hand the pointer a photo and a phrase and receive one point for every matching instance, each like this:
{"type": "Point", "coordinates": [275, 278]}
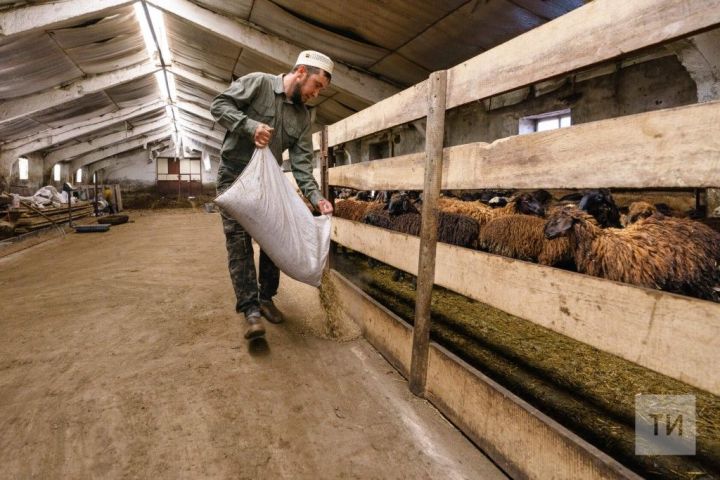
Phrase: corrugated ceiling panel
{"type": "Point", "coordinates": [306, 35]}
{"type": "Point", "coordinates": [236, 8]}
{"type": "Point", "coordinates": [469, 31]}
{"type": "Point", "coordinates": [106, 44]}
{"type": "Point", "coordinates": [199, 49]}
{"type": "Point", "coordinates": [376, 22]}
{"type": "Point", "coordinates": [19, 129]}
{"type": "Point", "coordinates": [250, 62]}
{"type": "Point", "coordinates": [83, 108]}
{"type": "Point", "coordinates": [138, 92]}
{"type": "Point", "coordinates": [400, 69]}
{"type": "Point", "coordinates": [31, 64]}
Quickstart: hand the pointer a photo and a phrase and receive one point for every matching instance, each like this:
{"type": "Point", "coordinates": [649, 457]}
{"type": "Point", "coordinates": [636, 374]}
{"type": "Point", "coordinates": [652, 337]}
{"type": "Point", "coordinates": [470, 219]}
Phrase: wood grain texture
{"type": "Point", "coordinates": [674, 335]}
{"type": "Point", "coordinates": [677, 147]}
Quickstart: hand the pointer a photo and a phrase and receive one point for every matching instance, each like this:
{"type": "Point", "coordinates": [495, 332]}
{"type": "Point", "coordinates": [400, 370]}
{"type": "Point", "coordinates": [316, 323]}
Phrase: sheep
{"type": "Point", "coordinates": [638, 211]}
{"type": "Point", "coordinates": [523, 203]}
{"type": "Point", "coordinates": [600, 204]}
{"type": "Point", "coordinates": [669, 254]}
{"type": "Point", "coordinates": [403, 216]}
{"type": "Point", "coordinates": [356, 208]}
{"type": "Point", "coordinates": [522, 237]}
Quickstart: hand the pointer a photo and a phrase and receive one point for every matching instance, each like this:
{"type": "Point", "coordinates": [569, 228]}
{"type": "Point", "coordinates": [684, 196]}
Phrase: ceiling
{"type": "Point", "coordinates": [58, 80]}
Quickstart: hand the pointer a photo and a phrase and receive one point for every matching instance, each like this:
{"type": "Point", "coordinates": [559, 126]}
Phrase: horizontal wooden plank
{"type": "Point", "coordinates": [522, 440]}
{"type": "Point", "coordinates": [671, 334]}
{"type": "Point", "coordinates": [393, 339]}
{"type": "Point", "coordinates": [575, 40]}
{"type": "Point", "coordinates": [678, 147]}
{"type": "Point", "coordinates": [403, 107]}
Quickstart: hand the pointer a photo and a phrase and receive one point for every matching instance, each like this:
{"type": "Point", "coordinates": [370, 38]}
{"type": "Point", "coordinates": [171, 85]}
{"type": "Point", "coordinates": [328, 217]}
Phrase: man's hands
{"type": "Point", "coordinates": [263, 134]}
{"type": "Point", "coordinates": [325, 207]}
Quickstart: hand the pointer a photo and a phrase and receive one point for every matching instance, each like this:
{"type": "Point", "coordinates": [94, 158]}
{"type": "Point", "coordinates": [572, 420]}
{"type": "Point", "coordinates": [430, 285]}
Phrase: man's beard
{"type": "Point", "coordinates": [296, 96]}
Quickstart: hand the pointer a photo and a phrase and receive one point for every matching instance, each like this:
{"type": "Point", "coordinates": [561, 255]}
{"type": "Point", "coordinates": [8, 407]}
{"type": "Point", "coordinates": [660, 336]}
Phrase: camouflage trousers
{"type": "Point", "coordinates": [241, 263]}
{"type": "Point", "coordinates": [241, 260]}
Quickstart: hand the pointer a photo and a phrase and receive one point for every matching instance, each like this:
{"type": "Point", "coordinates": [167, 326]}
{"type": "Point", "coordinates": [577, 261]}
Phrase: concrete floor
{"type": "Point", "coordinates": [122, 357]}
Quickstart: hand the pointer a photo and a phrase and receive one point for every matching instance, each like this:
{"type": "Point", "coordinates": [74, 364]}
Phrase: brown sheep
{"type": "Point", "coordinates": [481, 213]}
{"type": "Point", "coordinates": [522, 237]}
{"type": "Point", "coordinates": [352, 209]}
{"type": "Point", "coordinates": [669, 254]}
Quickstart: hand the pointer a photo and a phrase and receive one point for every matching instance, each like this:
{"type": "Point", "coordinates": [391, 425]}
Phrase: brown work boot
{"type": "Point", "coordinates": [271, 312]}
{"type": "Point", "coordinates": [255, 327]}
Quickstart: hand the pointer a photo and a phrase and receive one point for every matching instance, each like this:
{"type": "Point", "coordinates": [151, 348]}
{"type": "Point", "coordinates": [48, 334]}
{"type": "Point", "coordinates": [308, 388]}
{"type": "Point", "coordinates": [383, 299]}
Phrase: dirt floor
{"type": "Point", "coordinates": [122, 357]}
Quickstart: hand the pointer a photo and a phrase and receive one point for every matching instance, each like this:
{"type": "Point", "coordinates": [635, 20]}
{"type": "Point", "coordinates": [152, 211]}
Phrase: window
{"type": "Point", "coordinates": [23, 168]}
{"type": "Point", "coordinates": [56, 172]}
{"type": "Point", "coordinates": [206, 160]}
{"type": "Point", "coordinates": [545, 122]}
{"type": "Point", "coordinates": [78, 176]}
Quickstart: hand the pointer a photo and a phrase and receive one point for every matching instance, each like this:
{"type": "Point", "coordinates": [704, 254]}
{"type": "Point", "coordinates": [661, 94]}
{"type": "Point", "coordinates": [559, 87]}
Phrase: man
{"type": "Point", "coordinates": [262, 110]}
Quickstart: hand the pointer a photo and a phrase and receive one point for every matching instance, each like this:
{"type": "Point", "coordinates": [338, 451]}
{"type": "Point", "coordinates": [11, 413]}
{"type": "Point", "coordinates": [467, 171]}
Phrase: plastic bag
{"type": "Point", "coordinates": [264, 202]}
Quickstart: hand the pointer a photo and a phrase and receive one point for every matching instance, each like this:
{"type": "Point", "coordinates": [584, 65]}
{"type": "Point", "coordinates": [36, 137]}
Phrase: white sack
{"type": "Point", "coordinates": [265, 203]}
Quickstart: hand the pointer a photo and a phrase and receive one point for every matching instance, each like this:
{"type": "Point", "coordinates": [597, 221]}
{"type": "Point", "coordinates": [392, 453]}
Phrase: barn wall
{"type": "Point", "coordinates": [653, 85]}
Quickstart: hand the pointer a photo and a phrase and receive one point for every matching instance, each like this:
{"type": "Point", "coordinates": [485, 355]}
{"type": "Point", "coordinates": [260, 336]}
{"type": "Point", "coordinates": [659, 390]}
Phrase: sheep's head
{"type": "Point", "coordinates": [529, 205]}
{"type": "Point", "coordinates": [400, 202]}
{"type": "Point", "coordinates": [638, 211]}
{"type": "Point", "coordinates": [561, 220]}
{"type": "Point", "coordinates": [542, 196]}
{"type": "Point", "coordinates": [600, 204]}
{"type": "Point", "coordinates": [363, 195]}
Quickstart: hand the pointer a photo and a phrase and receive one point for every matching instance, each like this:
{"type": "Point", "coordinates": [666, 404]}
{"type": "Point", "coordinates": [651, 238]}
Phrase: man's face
{"type": "Point", "coordinates": [308, 86]}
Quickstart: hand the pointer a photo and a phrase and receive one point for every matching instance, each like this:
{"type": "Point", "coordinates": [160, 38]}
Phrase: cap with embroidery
{"type": "Point", "coordinates": [315, 59]}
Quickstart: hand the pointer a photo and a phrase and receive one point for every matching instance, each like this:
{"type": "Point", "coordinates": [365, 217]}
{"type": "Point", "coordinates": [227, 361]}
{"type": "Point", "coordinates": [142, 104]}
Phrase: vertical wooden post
{"type": "Point", "coordinates": [434, 135]}
{"type": "Point", "coordinates": [324, 163]}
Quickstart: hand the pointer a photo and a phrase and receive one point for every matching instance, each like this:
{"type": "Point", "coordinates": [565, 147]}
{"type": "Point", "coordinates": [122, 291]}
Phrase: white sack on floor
{"type": "Point", "coordinates": [264, 202]}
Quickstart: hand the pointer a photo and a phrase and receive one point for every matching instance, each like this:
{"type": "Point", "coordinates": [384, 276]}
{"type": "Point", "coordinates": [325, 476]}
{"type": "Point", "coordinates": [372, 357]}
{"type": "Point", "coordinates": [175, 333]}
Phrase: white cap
{"type": "Point", "coordinates": [315, 59]}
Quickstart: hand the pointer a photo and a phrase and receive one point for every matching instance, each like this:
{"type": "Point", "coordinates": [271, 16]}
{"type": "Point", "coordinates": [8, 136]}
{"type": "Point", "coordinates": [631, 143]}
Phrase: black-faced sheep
{"type": "Point", "coordinates": [600, 204]}
{"type": "Point", "coordinates": [481, 213]}
{"type": "Point", "coordinates": [668, 254]}
{"type": "Point", "coordinates": [402, 216]}
{"type": "Point", "coordinates": [522, 237]}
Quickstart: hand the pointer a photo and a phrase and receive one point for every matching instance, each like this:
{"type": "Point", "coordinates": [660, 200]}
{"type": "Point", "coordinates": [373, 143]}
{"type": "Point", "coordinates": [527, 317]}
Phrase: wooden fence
{"type": "Point", "coordinates": [680, 147]}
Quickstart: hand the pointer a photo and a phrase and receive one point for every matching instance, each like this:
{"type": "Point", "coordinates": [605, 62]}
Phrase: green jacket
{"type": "Point", "coordinates": [260, 98]}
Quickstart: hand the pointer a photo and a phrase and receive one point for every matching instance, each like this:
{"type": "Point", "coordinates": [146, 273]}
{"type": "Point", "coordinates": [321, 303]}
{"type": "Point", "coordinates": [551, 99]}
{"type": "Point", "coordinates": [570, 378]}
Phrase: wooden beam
{"type": "Point", "coordinates": [345, 79]}
{"type": "Point", "coordinates": [71, 151]}
{"type": "Point", "coordinates": [205, 82]}
{"type": "Point", "coordinates": [23, 106]}
{"type": "Point", "coordinates": [201, 130]}
{"type": "Point", "coordinates": [678, 147]}
{"type": "Point", "coordinates": [435, 133]}
{"type": "Point", "coordinates": [403, 107]}
{"type": "Point", "coordinates": [55, 136]}
{"type": "Point", "coordinates": [115, 160]}
{"type": "Point", "coordinates": [522, 440]}
{"type": "Point", "coordinates": [100, 154]}
{"type": "Point", "coordinates": [578, 37]}
{"type": "Point", "coordinates": [211, 142]}
{"type": "Point", "coordinates": [46, 16]}
{"type": "Point", "coordinates": [674, 335]}
{"type": "Point", "coordinates": [196, 110]}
